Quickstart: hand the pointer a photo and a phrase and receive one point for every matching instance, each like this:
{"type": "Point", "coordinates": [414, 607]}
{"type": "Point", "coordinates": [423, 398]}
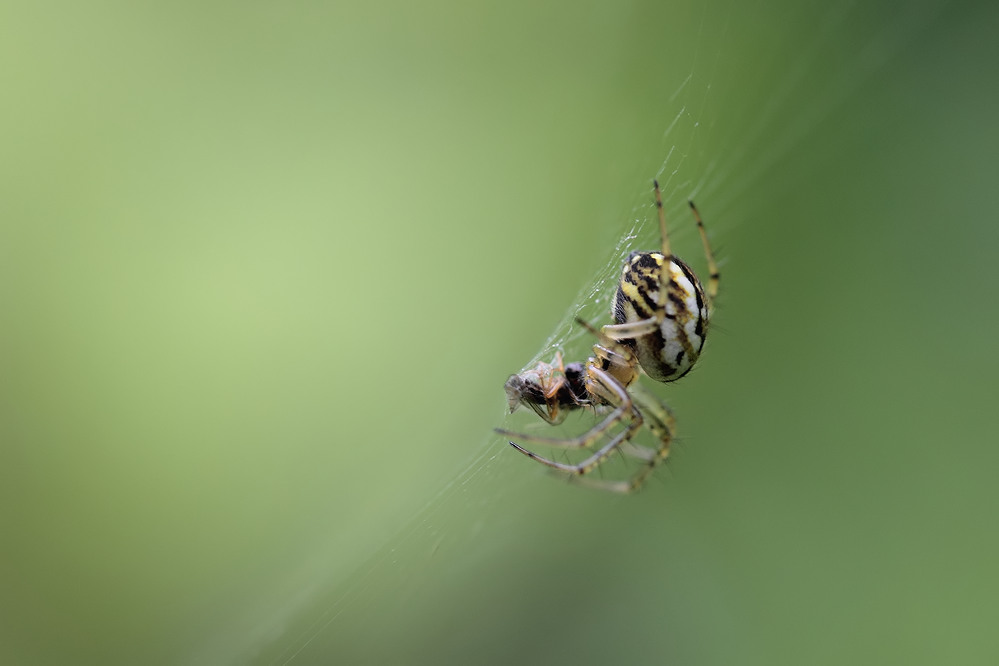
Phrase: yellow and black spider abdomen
{"type": "Point", "coordinates": [670, 352]}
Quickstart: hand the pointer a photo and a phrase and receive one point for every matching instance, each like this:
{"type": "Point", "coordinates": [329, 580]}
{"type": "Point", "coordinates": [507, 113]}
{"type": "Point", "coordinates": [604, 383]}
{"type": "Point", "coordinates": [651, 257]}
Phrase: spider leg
{"type": "Point", "coordinates": [637, 451]}
{"type": "Point", "coordinates": [667, 253]}
{"type": "Point", "coordinates": [662, 424]}
{"type": "Point", "coordinates": [714, 275]}
{"type": "Point", "coordinates": [587, 465]}
{"type": "Point", "coordinates": [623, 358]}
{"type": "Point", "coordinates": [611, 390]}
{"type": "Point", "coordinates": [614, 357]}
{"type": "Point", "coordinates": [609, 337]}
{"type": "Point", "coordinates": [659, 420]}
{"type": "Point", "coordinates": [631, 329]}
{"type": "Point", "coordinates": [665, 281]}
{"type": "Point", "coordinates": [609, 347]}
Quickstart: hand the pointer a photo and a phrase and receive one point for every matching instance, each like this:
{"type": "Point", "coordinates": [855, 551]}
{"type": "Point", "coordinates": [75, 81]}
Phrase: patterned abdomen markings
{"type": "Point", "coordinates": [670, 352]}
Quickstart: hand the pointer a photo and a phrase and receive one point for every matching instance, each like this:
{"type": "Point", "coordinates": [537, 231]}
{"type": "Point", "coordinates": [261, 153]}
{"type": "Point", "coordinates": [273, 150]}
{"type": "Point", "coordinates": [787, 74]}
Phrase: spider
{"type": "Point", "coordinates": [661, 315]}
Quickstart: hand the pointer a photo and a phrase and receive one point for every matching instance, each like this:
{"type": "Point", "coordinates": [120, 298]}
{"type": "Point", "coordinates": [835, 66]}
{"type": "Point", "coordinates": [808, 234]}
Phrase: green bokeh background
{"type": "Point", "coordinates": [264, 268]}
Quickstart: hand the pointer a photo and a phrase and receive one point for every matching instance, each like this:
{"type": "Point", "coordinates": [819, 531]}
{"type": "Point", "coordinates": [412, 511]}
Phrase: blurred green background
{"type": "Point", "coordinates": [264, 268]}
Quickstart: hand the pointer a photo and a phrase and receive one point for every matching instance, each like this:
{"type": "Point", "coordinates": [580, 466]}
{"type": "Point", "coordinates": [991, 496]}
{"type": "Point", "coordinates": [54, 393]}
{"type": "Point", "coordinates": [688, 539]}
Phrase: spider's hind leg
{"type": "Point", "coordinates": [662, 424]}
{"type": "Point", "coordinates": [714, 276]}
{"type": "Point", "coordinates": [659, 420]}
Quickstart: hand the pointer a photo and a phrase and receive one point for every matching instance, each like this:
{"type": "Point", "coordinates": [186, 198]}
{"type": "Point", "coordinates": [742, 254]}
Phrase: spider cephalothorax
{"type": "Point", "coordinates": [661, 314]}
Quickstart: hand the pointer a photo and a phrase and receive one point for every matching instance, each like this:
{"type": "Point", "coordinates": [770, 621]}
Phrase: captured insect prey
{"type": "Point", "coordinates": [661, 313]}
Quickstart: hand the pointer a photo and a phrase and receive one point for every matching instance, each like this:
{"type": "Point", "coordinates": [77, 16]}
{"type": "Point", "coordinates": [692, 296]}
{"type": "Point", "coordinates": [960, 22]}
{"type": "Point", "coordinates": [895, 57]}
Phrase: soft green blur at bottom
{"type": "Point", "coordinates": [264, 270]}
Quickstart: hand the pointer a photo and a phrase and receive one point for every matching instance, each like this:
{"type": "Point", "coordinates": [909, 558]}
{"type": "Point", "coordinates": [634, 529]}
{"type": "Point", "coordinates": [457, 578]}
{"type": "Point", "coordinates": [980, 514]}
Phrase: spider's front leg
{"type": "Point", "coordinates": [632, 329]}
